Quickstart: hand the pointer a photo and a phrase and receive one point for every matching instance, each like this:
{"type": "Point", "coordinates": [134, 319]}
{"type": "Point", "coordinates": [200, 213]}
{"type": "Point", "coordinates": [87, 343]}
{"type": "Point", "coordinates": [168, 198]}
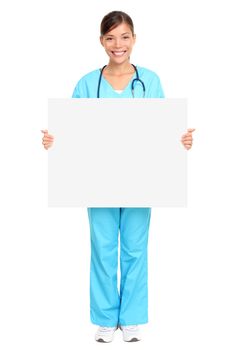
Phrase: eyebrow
{"type": "Point", "coordinates": [121, 34]}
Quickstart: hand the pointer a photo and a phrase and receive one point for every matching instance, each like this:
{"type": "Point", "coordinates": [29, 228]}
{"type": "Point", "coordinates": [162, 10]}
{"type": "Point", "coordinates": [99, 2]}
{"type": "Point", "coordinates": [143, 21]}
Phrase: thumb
{"type": "Point", "coordinates": [45, 131]}
{"type": "Point", "coordinates": [191, 130]}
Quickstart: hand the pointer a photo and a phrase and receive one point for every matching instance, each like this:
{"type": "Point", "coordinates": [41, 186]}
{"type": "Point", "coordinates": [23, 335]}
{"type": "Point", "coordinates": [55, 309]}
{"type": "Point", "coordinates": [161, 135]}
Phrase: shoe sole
{"type": "Point", "coordinates": [132, 340]}
{"type": "Point", "coordinates": [102, 341]}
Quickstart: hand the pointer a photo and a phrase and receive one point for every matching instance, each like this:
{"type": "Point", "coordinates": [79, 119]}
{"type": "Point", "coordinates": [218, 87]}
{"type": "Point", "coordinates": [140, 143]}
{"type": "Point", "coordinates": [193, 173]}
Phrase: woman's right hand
{"type": "Point", "coordinates": [47, 139]}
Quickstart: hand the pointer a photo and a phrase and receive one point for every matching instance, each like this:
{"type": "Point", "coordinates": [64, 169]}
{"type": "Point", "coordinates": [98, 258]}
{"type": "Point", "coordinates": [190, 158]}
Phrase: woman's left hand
{"type": "Point", "coordinates": [187, 139]}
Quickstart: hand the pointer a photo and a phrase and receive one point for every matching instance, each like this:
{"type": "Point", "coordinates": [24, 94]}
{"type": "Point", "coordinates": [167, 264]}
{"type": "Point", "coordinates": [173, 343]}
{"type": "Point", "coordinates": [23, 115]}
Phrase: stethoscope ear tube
{"type": "Point", "coordinates": [99, 82]}
{"type": "Point", "coordinates": [132, 84]}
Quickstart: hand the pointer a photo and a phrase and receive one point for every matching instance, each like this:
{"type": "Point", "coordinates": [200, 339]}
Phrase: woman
{"type": "Point", "coordinates": [128, 308]}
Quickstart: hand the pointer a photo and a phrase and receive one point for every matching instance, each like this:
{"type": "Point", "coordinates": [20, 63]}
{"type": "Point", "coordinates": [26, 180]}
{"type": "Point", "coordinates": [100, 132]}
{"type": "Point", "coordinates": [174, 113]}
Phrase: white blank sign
{"type": "Point", "coordinates": [117, 152]}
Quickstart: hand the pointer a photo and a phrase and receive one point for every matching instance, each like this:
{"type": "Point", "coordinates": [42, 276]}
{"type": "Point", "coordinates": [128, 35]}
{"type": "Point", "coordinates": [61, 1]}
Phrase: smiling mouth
{"type": "Point", "coordinates": [118, 53]}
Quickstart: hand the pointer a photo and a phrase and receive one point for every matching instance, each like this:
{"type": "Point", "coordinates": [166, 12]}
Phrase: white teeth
{"type": "Point", "coordinates": [118, 53]}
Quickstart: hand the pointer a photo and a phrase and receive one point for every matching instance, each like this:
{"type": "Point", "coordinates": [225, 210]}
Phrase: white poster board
{"type": "Point", "coordinates": [117, 152]}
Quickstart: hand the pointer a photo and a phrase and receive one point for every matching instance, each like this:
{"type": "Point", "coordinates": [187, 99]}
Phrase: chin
{"type": "Point", "coordinates": [118, 61]}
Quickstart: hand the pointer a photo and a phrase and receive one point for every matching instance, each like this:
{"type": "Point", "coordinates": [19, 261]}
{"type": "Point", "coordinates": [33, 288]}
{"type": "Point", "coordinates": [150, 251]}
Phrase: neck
{"type": "Point", "coordinates": [121, 68]}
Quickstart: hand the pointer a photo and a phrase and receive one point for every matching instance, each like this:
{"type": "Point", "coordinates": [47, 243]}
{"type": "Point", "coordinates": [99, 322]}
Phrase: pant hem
{"type": "Point", "coordinates": [104, 324]}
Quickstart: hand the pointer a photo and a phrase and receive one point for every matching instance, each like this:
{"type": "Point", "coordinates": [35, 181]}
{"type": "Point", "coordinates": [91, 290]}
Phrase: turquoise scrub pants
{"type": "Point", "coordinates": [128, 306]}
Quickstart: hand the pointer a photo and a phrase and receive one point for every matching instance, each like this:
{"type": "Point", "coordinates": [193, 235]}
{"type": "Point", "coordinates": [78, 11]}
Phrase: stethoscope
{"type": "Point", "coordinates": [132, 84]}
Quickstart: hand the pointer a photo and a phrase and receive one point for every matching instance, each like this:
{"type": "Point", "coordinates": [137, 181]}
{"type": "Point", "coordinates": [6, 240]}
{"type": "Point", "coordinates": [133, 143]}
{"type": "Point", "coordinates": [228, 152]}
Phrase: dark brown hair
{"type": "Point", "coordinates": [113, 19]}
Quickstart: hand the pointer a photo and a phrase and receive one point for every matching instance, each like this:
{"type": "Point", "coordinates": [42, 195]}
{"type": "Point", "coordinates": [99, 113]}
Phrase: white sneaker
{"type": "Point", "coordinates": [131, 333]}
{"type": "Point", "coordinates": [105, 334]}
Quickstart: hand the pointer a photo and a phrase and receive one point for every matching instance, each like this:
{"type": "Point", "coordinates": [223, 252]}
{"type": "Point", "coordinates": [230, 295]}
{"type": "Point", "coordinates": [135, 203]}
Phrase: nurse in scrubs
{"type": "Point", "coordinates": [127, 307]}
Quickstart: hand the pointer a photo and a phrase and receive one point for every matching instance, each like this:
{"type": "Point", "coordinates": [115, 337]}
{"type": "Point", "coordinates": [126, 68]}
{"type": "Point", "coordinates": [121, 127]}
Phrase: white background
{"type": "Point", "coordinates": [44, 296]}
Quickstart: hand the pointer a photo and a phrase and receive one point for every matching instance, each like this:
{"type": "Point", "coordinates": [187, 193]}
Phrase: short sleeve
{"type": "Point", "coordinates": [155, 89]}
{"type": "Point", "coordinates": [87, 85]}
{"type": "Point", "coordinates": [80, 90]}
{"type": "Point", "coordinates": [77, 93]}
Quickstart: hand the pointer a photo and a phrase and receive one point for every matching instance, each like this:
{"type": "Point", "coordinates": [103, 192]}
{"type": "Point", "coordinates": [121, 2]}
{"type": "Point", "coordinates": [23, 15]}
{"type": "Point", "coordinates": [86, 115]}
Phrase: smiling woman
{"type": "Point", "coordinates": [117, 35]}
{"type": "Point", "coordinates": [118, 44]}
{"type": "Point", "coordinates": [118, 38]}
{"type": "Point", "coordinates": [121, 79]}
{"type": "Point", "coordinates": [127, 308]}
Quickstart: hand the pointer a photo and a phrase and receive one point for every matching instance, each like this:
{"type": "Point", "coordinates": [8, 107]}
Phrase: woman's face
{"type": "Point", "coordinates": [118, 43]}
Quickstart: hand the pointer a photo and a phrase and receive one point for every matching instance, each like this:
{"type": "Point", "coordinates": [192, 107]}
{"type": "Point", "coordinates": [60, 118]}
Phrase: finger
{"type": "Point", "coordinates": [191, 130]}
{"type": "Point", "coordinates": [48, 142]}
{"type": "Point", "coordinates": [187, 138]}
{"type": "Point", "coordinates": [187, 147]}
{"type": "Point", "coordinates": [187, 135]}
{"type": "Point", "coordinates": [187, 142]}
{"type": "Point", "coordinates": [47, 136]}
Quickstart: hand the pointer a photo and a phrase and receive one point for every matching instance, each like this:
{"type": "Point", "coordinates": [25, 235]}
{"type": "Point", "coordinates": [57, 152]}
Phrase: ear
{"type": "Point", "coordinates": [134, 38]}
{"type": "Point", "coordinates": [101, 40]}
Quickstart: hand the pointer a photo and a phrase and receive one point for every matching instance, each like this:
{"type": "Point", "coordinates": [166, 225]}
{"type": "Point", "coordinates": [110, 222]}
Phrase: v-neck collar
{"type": "Point", "coordinates": [125, 89]}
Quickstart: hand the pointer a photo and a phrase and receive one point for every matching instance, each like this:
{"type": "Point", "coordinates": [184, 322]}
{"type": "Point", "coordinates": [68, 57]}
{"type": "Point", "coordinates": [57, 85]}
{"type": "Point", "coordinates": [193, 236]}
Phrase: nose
{"type": "Point", "coordinates": [118, 42]}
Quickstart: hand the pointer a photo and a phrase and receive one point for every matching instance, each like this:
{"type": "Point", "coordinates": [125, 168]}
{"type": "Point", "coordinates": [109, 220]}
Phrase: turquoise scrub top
{"type": "Point", "coordinates": [88, 84]}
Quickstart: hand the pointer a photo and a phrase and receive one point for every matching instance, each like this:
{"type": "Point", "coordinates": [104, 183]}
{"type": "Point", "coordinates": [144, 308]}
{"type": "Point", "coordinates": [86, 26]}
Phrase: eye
{"type": "Point", "coordinates": [126, 37]}
{"type": "Point", "coordinates": [109, 39]}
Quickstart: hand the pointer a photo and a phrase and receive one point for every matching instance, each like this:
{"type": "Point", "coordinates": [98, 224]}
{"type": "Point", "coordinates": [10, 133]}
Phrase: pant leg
{"type": "Point", "coordinates": [134, 229]}
{"type": "Point", "coordinates": [104, 296]}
